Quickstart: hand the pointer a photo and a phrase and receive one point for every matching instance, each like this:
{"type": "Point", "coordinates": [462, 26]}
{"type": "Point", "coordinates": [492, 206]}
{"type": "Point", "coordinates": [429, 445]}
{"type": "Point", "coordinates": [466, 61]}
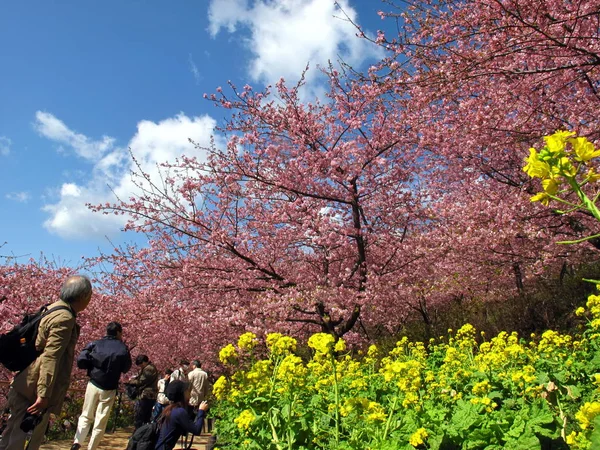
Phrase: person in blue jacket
{"type": "Point", "coordinates": [175, 420]}
{"type": "Point", "coordinates": [105, 360]}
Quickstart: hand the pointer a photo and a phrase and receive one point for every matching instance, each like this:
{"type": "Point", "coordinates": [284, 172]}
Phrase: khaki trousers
{"type": "Point", "coordinates": [96, 411]}
{"type": "Point", "coordinates": [13, 437]}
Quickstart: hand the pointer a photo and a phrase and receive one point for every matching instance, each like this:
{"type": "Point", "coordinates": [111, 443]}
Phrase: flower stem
{"type": "Point", "coordinates": [389, 419]}
{"type": "Point", "coordinates": [589, 205]}
{"type": "Point", "coordinates": [337, 402]}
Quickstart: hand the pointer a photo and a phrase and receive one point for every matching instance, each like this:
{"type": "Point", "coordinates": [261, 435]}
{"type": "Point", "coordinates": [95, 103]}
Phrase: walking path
{"type": "Point", "coordinates": [118, 441]}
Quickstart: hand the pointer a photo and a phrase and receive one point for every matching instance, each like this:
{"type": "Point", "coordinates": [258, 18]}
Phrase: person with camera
{"type": "Point", "coordinates": [40, 389]}
{"type": "Point", "coordinates": [175, 420]}
{"type": "Point", "coordinates": [105, 360]}
{"type": "Point", "coordinates": [146, 384]}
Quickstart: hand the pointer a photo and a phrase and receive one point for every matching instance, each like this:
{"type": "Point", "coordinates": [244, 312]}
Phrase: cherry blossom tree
{"type": "Point", "coordinates": [305, 217]}
{"type": "Point", "coordinates": [493, 77]}
{"type": "Point", "coordinates": [399, 191]}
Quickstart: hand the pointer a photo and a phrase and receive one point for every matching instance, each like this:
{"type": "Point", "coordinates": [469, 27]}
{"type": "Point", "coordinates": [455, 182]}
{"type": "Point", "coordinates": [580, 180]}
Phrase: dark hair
{"type": "Point", "coordinates": [196, 363]}
{"type": "Point", "coordinates": [166, 414]}
{"type": "Point", "coordinates": [168, 371]}
{"type": "Point", "coordinates": [113, 328]}
{"type": "Point", "coordinates": [175, 392]}
{"type": "Point", "coordinates": [184, 362]}
{"type": "Point", "coordinates": [75, 288]}
{"type": "Point", "coordinates": [141, 359]}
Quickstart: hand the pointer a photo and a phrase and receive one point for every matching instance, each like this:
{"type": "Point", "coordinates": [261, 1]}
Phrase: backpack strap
{"type": "Point", "coordinates": [58, 308]}
{"type": "Point", "coordinates": [159, 424]}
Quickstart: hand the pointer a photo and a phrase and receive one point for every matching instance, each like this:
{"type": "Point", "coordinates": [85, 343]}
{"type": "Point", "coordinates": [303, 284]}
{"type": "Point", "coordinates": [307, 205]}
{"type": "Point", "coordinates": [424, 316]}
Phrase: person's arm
{"type": "Point", "coordinates": [126, 362]}
{"type": "Point", "coordinates": [83, 360]}
{"type": "Point", "coordinates": [148, 377]}
{"type": "Point", "coordinates": [205, 390]}
{"type": "Point", "coordinates": [60, 330]}
{"type": "Point", "coordinates": [186, 424]}
{"type": "Point", "coordinates": [135, 381]}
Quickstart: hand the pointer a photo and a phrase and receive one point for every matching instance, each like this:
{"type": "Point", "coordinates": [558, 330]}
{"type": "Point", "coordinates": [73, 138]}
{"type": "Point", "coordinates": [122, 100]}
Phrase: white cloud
{"type": "Point", "coordinates": [70, 190]}
{"type": "Point", "coordinates": [71, 219]}
{"type": "Point", "coordinates": [21, 197]}
{"type": "Point", "coordinates": [54, 129]}
{"type": "Point", "coordinates": [285, 35]}
{"type": "Point", "coordinates": [194, 69]}
{"type": "Point", "coordinates": [5, 144]}
{"type": "Point", "coordinates": [152, 144]}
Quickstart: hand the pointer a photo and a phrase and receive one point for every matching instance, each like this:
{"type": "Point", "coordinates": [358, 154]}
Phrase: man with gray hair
{"type": "Point", "coordinates": [40, 389]}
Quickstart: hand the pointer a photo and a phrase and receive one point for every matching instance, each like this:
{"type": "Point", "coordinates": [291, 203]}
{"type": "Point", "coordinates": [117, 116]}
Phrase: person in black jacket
{"type": "Point", "coordinates": [105, 360]}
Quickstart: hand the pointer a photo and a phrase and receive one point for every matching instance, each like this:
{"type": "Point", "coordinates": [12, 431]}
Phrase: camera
{"type": "Point", "coordinates": [30, 421]}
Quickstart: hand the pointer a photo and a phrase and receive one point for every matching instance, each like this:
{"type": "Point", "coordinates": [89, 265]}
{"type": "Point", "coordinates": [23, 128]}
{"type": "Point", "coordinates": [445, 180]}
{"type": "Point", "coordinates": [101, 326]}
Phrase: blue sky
{"type": "Point", "coordinates": [82, 81]}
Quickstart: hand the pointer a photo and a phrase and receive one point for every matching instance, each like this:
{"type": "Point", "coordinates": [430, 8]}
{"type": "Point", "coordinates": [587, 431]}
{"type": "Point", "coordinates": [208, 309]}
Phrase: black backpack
{"type": "Point", "coordinates": [131, 391]}
{"type": "Point", "coordinates": [145, 437]}
{"type": "Point", "coordinates": [17, 347]}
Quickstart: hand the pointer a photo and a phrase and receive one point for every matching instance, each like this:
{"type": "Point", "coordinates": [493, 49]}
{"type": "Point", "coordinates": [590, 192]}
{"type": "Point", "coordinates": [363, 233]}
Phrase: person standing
{"type": "Point", "coordinates": [161, 399]}
{"type": "Point", "coordinates": [180, 374]}
{"type": "Point", "coordinates": [40, 389]}
{"type": "Point", "coordinates": [198, 379]}
{"type": "Point", "coordinates": [147, 386]}
{"type": "Point", "coordinates": [105, 360]}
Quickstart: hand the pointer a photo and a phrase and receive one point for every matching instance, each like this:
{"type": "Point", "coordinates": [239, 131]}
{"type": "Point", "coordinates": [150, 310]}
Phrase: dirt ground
{"type": "Point", "coordinates": [118, 441]}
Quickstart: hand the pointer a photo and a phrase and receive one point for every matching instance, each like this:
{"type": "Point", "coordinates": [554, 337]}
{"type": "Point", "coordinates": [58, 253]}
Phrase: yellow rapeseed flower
{"type": "Point", "coordinates": [587, 413]}
{"type": "Point", "coordinates": [592, 176]}
{"type": "Point", "coordinates": [220, 388]}
{"type": "Point", "coordinates": [260, 371]}
{"type": "Point", "coordinates": [245, 419]}
{"type": "Point", "coordinates": [410, 399]}
{"type": "Point", "coordinates": [373, 351]}
{"type": "Point", "coordinates": [571, 438]}
{"type": "Point", "coordinates": [593, 305]}
{"type": "Point", "coordinates": [534, 167]}
{"type": "Point", "coordinates": [322, 342]}
{"type": "Point", "coordinates": [279, 344]}
{"type": "Point", "coordinates": [565, 168]}
{"type": "Point", "coordinates": [550, 185]}
{"type": "Point", "coordinates": [541, 197]}
{"type": "Point", "coordinates": [247, 341]}
{"type": "Point", "coordinates": [291, 370]}
{"type": "Point", "coordinates": [418, 437]}
{"type": "Point", "coordinates": [584, 149]}
{"type": "Point", "coordinates": [556, 142]}
{"type": "Point", "coordinates": [340, 346]}
{"type": "Point", "coordinates": [481, 388]}
{"type": "Point", "coordinates": [375, 412]}
{"type": "Point", "coordinates": [228, 354]}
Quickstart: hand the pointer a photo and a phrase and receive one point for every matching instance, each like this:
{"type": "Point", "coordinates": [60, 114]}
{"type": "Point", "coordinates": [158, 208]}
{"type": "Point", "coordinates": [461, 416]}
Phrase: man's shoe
{"type": "Point", "coordinates": [75, 446]}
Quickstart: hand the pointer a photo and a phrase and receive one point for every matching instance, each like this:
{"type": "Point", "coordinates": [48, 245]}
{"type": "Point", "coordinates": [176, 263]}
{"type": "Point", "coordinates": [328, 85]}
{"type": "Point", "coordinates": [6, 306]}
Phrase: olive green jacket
{"type": "Point", "coordinates": [50, 374]}
{"type": "Point", "coordinates": [147, 382]}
